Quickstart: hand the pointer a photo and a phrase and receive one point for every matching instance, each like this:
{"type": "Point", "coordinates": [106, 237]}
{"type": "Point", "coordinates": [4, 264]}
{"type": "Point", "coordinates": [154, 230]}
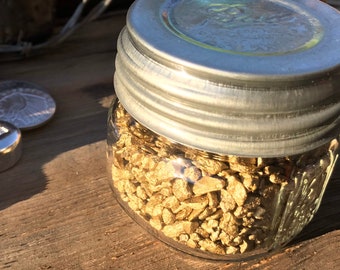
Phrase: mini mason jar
{"type": "Point", "coordinates": [226, 127]}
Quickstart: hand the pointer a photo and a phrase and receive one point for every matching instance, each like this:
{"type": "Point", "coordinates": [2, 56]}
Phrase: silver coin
{"type": "Point", "coordinates": [25, 105]}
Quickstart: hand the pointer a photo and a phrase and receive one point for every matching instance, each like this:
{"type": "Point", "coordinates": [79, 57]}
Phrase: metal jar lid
{"type": "Point", "coordinates": [239, 77]}
{"type": "Point", "coordinates": [10, 145]}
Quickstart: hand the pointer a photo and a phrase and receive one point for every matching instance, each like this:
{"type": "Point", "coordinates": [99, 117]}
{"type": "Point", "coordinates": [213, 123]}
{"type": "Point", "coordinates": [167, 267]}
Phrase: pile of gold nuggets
{"type": "Point", "coordinates": [219, 204]}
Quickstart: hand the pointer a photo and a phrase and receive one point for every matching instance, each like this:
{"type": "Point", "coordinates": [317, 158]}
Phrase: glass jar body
{"type": "Point", "coordinates": [213, 206]}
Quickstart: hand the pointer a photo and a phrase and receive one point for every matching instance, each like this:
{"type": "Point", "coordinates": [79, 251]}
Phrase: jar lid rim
{"type": "Point", "coordinates": [181, 92]}
{"type": "Point", "coordinates": [172, 45]}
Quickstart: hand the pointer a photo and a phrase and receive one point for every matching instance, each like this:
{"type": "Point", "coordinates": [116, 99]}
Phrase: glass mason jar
{"type": "Point", "coordinates": [222, 145]}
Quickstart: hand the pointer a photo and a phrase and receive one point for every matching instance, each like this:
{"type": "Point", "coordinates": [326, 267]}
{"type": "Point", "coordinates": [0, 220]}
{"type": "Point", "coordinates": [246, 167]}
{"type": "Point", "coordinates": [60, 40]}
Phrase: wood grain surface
{"type": "Point", "coordinates": [56, 207]}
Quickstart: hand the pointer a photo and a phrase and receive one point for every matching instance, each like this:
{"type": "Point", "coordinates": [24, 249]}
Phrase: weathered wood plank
{"type": "Point", "coordinates": [75, 223]}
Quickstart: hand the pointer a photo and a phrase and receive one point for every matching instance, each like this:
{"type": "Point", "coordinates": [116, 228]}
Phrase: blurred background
{"type": "Point", "coordinates": [36, 20]}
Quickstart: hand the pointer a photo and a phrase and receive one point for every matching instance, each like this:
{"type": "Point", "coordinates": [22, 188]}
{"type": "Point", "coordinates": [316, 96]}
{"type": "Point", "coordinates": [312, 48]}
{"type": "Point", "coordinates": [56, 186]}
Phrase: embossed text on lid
{"type": "Point", "coordinates": [254, 27]}
{"type": "Point", "coordinates": [239, 39]}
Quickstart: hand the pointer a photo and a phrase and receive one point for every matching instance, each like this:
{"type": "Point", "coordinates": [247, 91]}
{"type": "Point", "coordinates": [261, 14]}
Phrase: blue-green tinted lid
{"type": "Point", "coordinates": [243, 77]}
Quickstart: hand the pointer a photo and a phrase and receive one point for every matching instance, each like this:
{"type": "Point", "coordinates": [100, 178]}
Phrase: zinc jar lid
{"type": "Point", "coordinates": [10, 145]}
{"type": "Point", "coordinates": [241, 77]}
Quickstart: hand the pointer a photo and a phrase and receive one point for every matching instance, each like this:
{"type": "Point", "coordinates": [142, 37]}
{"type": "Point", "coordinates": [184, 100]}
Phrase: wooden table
{"type": "Point", "coordinates": [56, 208]}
